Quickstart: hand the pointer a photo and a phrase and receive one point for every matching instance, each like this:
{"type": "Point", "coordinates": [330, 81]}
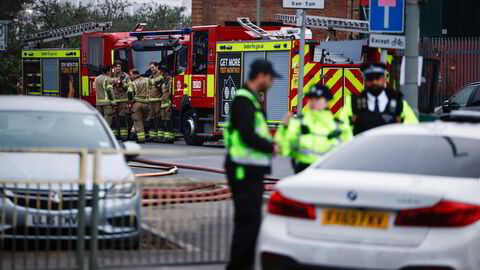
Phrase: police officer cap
{"type": "Point", "coordinates": [318, 91]}
{"type": "Point", "coordinates": [373, 69]}
{"type": "Point", "coordinates": [262, 66]}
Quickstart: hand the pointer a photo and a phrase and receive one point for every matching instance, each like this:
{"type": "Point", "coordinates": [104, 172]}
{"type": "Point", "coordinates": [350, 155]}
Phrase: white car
{"type": "Point", "coordinates": [398, 197]}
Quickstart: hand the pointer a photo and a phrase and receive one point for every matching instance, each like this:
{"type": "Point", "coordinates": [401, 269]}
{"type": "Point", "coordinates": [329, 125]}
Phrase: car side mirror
{"type": "Point", "coordinates": [446, 106]}
{"type": "Point", "coordinates": [454, 106]}
{"type": "Point", "coordinates": [132, 150]}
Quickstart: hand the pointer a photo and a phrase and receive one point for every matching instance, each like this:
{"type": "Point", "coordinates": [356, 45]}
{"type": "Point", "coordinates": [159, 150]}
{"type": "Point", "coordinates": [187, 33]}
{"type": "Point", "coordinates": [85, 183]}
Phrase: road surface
{"type": "Point", "coordinates": [211, 155]}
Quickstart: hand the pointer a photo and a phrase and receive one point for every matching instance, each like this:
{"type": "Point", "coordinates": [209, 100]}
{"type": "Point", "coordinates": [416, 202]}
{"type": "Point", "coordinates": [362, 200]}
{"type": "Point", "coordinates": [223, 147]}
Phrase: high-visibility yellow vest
{"type": "Point", "coordinates": [310, 137]}
{"type": "Point", "coordinates": [238, 151]}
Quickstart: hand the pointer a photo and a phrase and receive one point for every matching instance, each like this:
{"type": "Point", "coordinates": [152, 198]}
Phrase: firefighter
{"type": "Point", "coordinates": [249, 153]}
{"type": "Point", "coordinates": [105, 96]}
{"type": "Point", "coordinates": [138, 89]}
{"type": "Point", "coordinates": [377, 105]}
{"type": "Point", "coordinates": [120, 85]}
{"type": "Point", "coordinates": [168, 135]}
{"type": "Point", "coordinates": [313, 133]}
{"type": "Point", "coordinates": [155, 104]}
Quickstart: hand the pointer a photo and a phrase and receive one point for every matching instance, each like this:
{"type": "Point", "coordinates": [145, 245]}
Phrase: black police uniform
{"type": "Point", "coordinates": [366, 119]}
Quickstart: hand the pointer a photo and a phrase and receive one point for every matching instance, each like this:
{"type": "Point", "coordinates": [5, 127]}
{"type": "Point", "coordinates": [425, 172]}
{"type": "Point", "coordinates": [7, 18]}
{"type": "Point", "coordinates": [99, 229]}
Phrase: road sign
{"type": "Point", "coordinates": [310, 4]}
{"type": "Point", "coordinates": [3, 36]}
{"type": "Point", "coordinates": [387, 16]}
{"type": "Point", "coordinates": [387, 41]}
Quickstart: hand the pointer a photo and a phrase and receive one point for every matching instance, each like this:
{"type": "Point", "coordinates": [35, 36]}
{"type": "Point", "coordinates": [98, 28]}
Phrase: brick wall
{"type": "Point", "coordinates": [211, 12]}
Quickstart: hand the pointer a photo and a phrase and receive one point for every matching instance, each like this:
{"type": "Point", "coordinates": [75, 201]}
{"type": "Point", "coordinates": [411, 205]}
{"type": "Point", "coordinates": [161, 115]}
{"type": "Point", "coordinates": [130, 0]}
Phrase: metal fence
{"type": "Point", "coordinates": [459, 62]}
{"type": "Point", "coordinates": [91, 223]}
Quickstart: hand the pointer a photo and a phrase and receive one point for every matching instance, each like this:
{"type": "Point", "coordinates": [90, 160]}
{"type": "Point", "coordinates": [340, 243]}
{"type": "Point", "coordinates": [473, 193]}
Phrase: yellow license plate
{"type": "Point", "coordinates": [355, 218]}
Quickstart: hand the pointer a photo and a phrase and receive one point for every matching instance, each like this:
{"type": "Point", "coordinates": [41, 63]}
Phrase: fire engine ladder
{"type": "Point", "coordinates": [330, 23]}
{"type": "Point", "coordinates": [33, 40]}
{"type": "Point", "coordinates": [247, 24]}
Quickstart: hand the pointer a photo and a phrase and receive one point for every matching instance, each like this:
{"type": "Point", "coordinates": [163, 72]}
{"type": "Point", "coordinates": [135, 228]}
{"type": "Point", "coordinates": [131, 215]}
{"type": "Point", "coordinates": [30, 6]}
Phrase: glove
{"type": "Point", "coordinates": [334, 134]}
{"type": "Point", "coordinates": [305, 129]}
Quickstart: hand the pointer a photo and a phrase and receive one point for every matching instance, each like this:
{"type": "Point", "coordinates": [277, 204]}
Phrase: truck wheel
{"type": "Point", "coordinates": [189, 129]}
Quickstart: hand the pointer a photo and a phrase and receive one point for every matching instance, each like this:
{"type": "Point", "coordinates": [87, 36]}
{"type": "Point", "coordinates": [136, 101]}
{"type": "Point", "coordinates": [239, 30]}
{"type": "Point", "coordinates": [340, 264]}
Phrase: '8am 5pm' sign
{"type": "Point", "coordinates": [305, 4]}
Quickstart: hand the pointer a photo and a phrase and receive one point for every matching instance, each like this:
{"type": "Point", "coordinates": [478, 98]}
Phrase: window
{"type": "Point", "coordinates": [182, 60]}
{"type": "Point", "coordinates": [45, 129]}
{"type": "Point", "coordinates": [200, 52]}
{"type": "Point", "coordinates": [464, 95]}
{"type": "Point", "coordinates": [121, 56]}
{"type": "Point", "coordinates": [141, 59]}
{"type": "Point", "coordinates": [409, 154]}
{"type": "Point", "coordinates": [476, 99]}
{"type": "Point", "coordinates": [50, 76]}
{"type": "Point", "coordinates": [95, 55]}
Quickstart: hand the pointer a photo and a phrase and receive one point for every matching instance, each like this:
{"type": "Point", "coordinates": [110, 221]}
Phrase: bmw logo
{"type": "Point", "coordinates": [352, 195]}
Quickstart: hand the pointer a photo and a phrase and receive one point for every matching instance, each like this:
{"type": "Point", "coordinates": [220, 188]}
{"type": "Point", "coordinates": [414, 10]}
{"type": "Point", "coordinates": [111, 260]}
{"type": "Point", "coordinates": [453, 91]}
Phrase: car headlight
{"type": "Point", "coordinates": [126, 190]}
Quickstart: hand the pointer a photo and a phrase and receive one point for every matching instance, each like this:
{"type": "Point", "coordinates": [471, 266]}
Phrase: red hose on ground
{"type": "Point", "coordinates": [191, 167]}
{"type": "Point", "coordinates": [190, 194]}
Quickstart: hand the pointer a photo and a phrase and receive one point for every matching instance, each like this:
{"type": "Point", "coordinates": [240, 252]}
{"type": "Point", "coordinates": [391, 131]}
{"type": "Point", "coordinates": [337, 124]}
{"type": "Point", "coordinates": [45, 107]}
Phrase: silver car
{"type": "Point", "coordinates": [39, 192]}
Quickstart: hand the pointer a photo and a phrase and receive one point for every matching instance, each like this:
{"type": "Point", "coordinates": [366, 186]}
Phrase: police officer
{"type": "Point", "coordinates": [313, 133]}
{"type": "Point", "coordinates": [377, 105]}
{"type": "Point", "coordinates": [249, 152]}
{"type": "Point", "coordinates": [120, 85]}
{"type": "Point", "coordinates": [155, 103]}
{"type": "Point", "coordinates": [105, 96]}
{"type": "Point", "coordinates": [138, 89]}
{"type": "Point", "coordinates": [168, 136]}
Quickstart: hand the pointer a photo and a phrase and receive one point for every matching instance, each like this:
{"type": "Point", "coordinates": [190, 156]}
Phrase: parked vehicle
{"type": "Point", "coordinates": [39, 192]}
{"type": "Point", "coordinates": [410, 202]}
{"type": "Point", "coordinates": [467, 98]}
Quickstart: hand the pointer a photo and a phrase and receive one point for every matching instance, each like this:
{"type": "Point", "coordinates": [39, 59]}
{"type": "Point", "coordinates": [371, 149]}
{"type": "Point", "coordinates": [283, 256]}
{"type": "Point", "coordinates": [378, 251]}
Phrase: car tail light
{"type": "Point", "coordinates": [443, 214]}
{"type": "Point", "coordinates": [279, 205]}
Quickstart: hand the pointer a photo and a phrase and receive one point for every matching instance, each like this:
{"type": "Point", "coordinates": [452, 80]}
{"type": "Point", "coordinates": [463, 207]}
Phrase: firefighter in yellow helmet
{"type": "Point", "coordinates": [105, 97]}
{"type": "Point", "coordinates": [312, 134]}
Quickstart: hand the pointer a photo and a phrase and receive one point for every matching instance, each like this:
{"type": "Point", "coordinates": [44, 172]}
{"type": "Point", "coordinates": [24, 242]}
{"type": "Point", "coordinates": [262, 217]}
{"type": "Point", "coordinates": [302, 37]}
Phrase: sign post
{"type": "Point", "coordinates": [412, 69]}
{"type": "Point", "coordinates": [300, 6]}
{"type": "Point", "coordinates": [301, 15]}
{"type": "Point", "coordinates": [301, 22]}
{"type": "Point", "coordinates": [3, 36]}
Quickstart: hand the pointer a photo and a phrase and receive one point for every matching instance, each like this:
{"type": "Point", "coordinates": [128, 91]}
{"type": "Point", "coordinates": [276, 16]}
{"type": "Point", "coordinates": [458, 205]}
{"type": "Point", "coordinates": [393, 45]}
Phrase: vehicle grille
{"type": "Point", "coordinates": [33, 231]}
{"type": "Point", "coordinates": [47, 200]}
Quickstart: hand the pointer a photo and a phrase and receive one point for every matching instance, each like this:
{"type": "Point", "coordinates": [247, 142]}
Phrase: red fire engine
{"type": "Point", "coordinates": [209, 63]}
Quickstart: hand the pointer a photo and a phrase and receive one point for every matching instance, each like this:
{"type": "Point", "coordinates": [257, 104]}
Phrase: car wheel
{"type": "Point", "coordinates": [189, 129]}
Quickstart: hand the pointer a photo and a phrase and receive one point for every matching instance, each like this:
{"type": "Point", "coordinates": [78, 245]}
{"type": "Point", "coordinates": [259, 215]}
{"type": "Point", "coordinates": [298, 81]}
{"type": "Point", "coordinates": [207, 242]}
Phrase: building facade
{"type": "Point", "coordinates": [218, 12]}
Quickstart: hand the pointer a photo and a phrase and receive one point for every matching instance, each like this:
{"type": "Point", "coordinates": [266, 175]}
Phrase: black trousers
{"type": "Point", "coordinates": [247, 199]}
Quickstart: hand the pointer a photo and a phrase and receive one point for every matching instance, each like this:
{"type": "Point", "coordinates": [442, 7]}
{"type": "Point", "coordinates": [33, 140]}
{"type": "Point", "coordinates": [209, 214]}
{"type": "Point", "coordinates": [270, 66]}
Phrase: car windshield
{"type": "Point", "coordinates": [48, 129]}
{"type": "Point", "coordinates": [409, 154]}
